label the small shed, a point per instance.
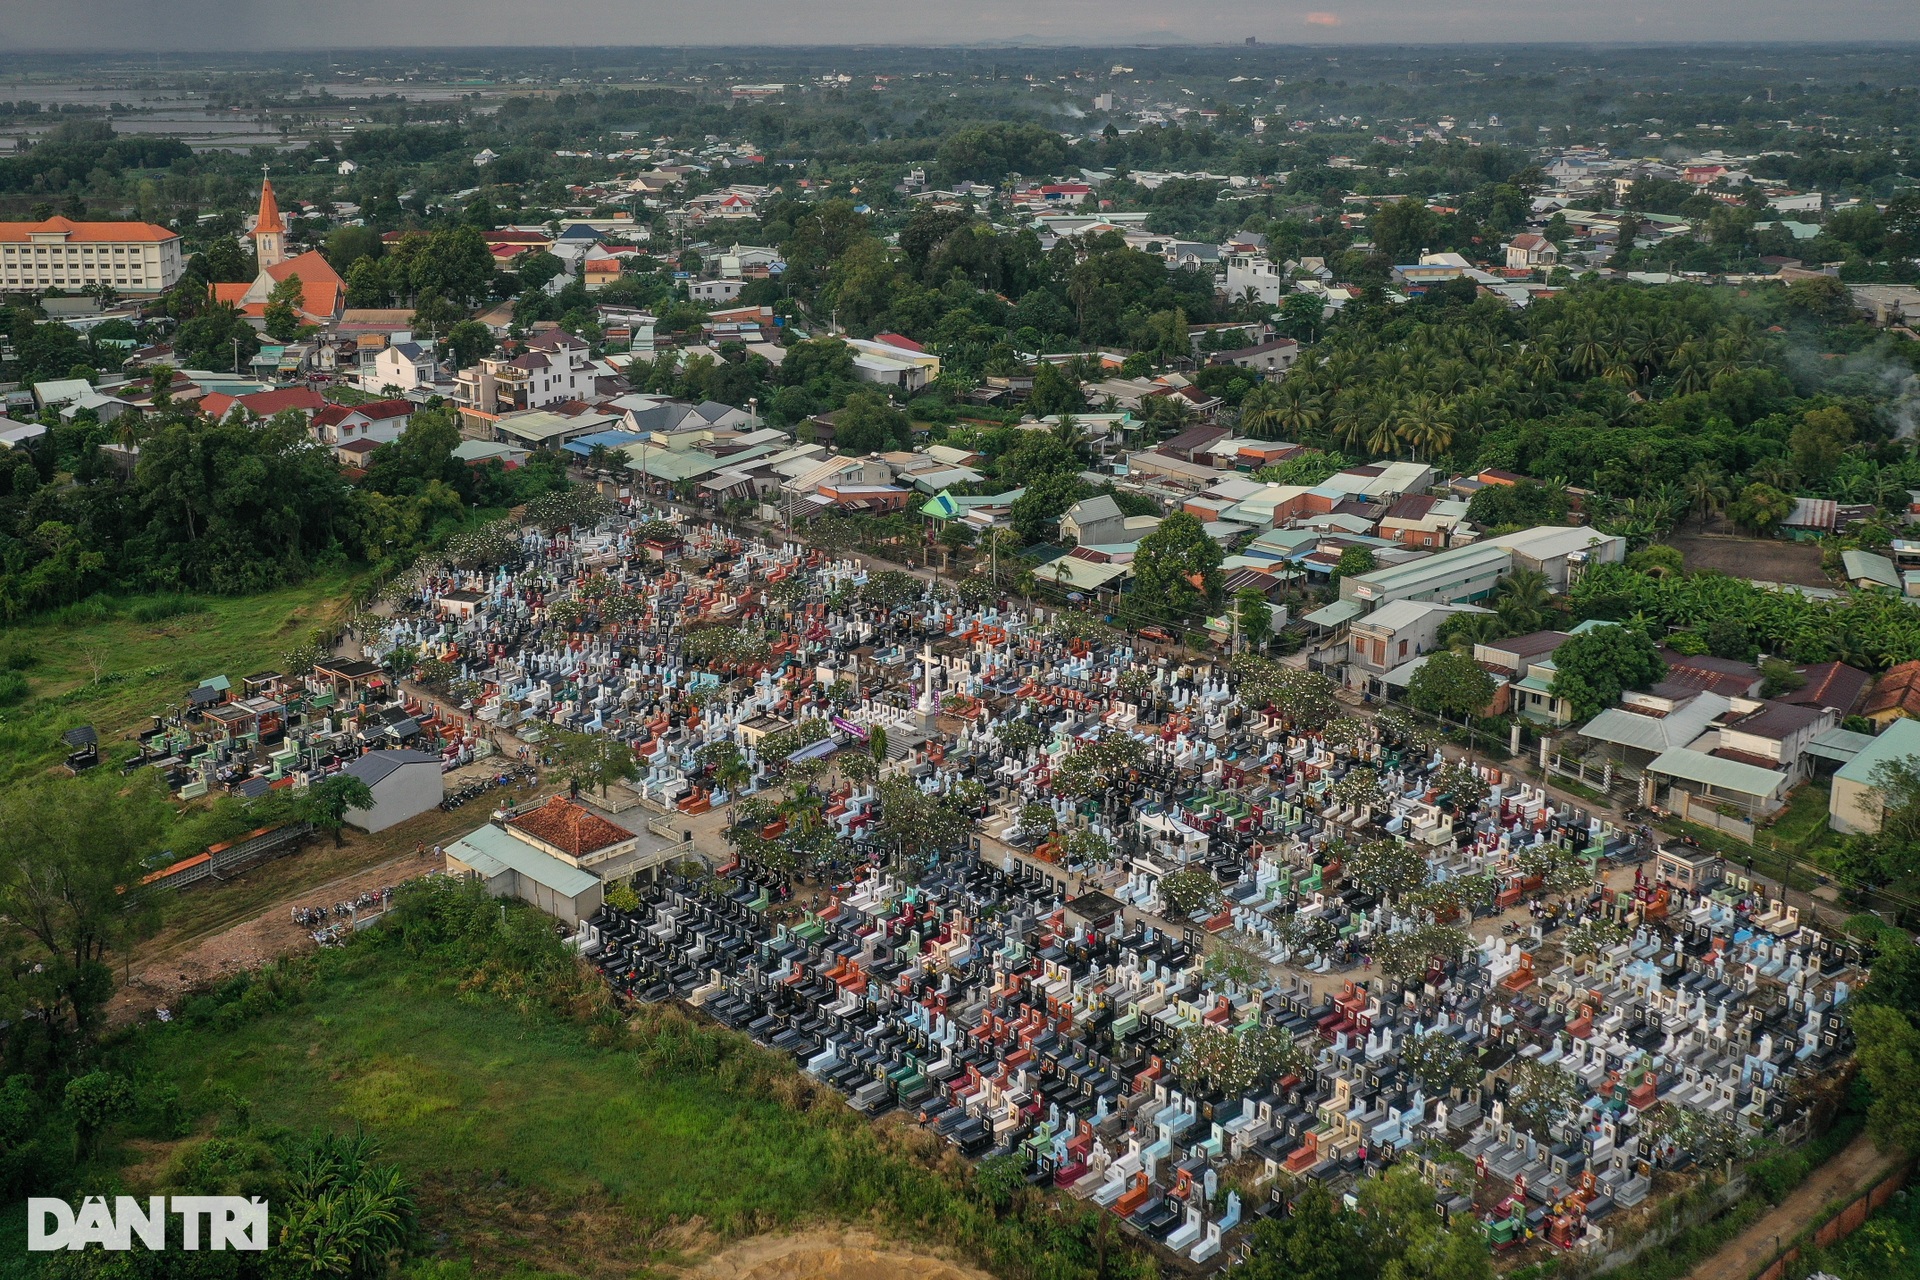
(404, 784)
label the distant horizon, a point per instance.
(226, 27)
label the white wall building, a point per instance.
(1253, 271)
(133, 257)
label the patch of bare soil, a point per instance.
(829, 1255)
(1723, 550)
(162, 980)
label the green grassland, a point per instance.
(112, 662)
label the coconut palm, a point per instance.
(1524, 596)
(1706, 489)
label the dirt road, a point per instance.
(1858, 1166)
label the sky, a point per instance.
(321, 25)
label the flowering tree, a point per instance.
(1230, 1063)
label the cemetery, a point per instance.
(1179, 936)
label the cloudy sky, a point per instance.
(319, 25)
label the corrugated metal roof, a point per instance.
(492, 852)
(1712, 771)
(1897, 740)
(1657, 733)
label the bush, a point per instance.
(161, 607)
(13, 687)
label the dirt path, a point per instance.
(160, 979)
(1858, 1166)
(828, 1255)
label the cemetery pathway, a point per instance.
(1858, 1166)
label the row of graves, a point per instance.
(275, 731)
(1035, 995)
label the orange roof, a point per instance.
(269, 219)
(572, 828)
(85, 232)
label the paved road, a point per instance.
(1858, 1166)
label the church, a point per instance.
(323, 292)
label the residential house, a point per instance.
(715, 291)
(1856, 804)
(559, 857)
(1637, 732)
(1270, 359)
(1896, 696)
(379, 421)
(1530, 250)
(550, 368)
(1776, 736)
(893, 361)
(397, 368)
(1527, 662)
(1393, 636)
(1422, 521)
(265, 404)
(1093, 520)
(1257, 273)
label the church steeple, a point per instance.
(269, 231)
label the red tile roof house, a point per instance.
(380, 421)
(304, 401)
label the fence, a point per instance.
(264, 843)
(1842, 1224)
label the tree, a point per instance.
(1540, 1097)
(1463, 787)
(468, 342)
(283, 311)
(1593, 669)
(1442, 1063)
(1403, 230)
(217, 338)
(94, 1100)
(1451, 684)
(1053, 392)
(1189, 892)
(72, 855)
(327, 802)
(1317, 1241)
(1176, 570)
(1760, 507)
(1353, 562)
(870, 424)
(1388, 868)
(1819, 442)
(344, 1215)
(1229, 1062)
(1254, 617)
(592, 760)
(1037, 511)
(1408, 956)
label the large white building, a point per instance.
(132, 257)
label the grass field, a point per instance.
(99, 663)
(527, 1142)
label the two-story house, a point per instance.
(397, 368)
(1393, 636)
(1527, 662)
(549, 369)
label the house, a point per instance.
(722, 290)
(1855, 804)
(1867, 571)
(378, 421)
(1529, 250)
(399, 367)
(1833, 685)
(1527, 661)
(1270, 359)
(265, 404)
(1775, 736)
(404, 784)
(892, 361)
(549, 369)
(1391, 637)
(1895, 697)
(1092, 521)
(477, 453)
(559, 856)
(1422, 521)
(1255, 273)
(1635, 733)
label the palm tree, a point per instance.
(1524, 598)
(1260, 413)
(1706, 490)
(1421, 423)
(1381, 435)
(1471, 629)
(1297, 408)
